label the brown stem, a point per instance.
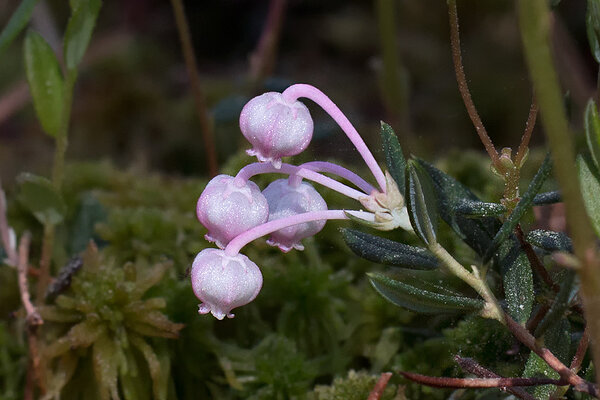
(33, 317)
(478, 382)
(533, 323)
(463, 87)
(192, 69)
(581, 350)
(567, 376)
(529, 125)
(534, 260)
(262, 58)
(5, 231)
(379, 387)
(471, 366)
(45, 262)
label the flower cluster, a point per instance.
(235, 211)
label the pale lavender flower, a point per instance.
(286, 200)
(224, 282)
(228, 208)
(275, 127)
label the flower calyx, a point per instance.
(389, 208)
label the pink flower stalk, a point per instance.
(240, 241)
(286, 200)
(223, 282)
(228, 208)
(262, 168)
(276, 127)
(294, 92)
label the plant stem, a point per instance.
(262, 58)
(323, 166)
(243, 239)
(206, 125)
(62, 140)
(463, 86)
(45, 262)
(392, 85)
(32, 316)
(492, 308)
(294, 92)
(529, 125)
(5, 232)
(534, 20)
(379, 387)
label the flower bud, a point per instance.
(227, 208)
(275, 127)
(285, 201)
(223, 283)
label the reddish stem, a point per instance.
(529, 125)
(478, 383)
(380, 386)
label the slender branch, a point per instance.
(190, 61)
(463, 86)
(581, 350)
(567, 376)
(5, 232)
(534, 321)
(262, 58)
(534, 21)
(534, 260)
(529, 125)
(33, 317)
(379, 387)
(477, 383)
(471, 366)
(492, 308)
(45, 262)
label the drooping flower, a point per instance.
(286, 200)
(228, 207)
(224, 282)
(275, 127)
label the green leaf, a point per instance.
(45, 82)
(394, 158)
(592, 22)
(550, 241)
(518, 280)
(421, 203)
(388, 252)
(79, 30)
(473, 208)
(477, 233)
(592, 131)
(41, 198)
(589, 178)
(90, 212)
(16, 24)
(526, 201)
(558, 341)
(547, 198)
(416, 294)
(569, 287)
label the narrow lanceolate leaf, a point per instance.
(517, 278)
(477, 233)
(547, 198)
(550, 241)
(526, 201)
(589, 178)
(16, 24)
(569, 287)
(40, 197)
(421, 296)
(592, 131)
(473, 208)
(79, 30)
(45, 82)
(421, 203)
(592, 21)
(388, 252)
(394, 158)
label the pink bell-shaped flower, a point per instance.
(227, 208)
(275, 128)
(224, 282)
(286, 200)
